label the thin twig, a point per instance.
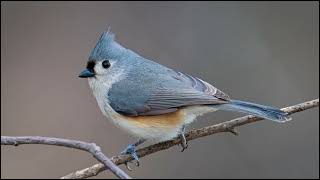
(89, 147)
(228, 126)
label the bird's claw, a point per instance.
(184, 142)
(131, 150)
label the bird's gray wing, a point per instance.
(169, 94)
(165, 100)
(200, 85)
(194, 92)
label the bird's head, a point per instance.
(107, 58)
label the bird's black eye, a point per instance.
(106, 64)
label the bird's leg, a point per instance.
(184, 142)
(131, 150)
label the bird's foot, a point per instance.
(184, 142)
(131, 150)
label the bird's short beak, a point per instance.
(86, 73)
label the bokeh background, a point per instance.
(264, 52)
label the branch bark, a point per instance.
(84, 146)
(228, 126)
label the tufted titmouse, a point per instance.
(154, 102)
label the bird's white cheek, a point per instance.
(99, 70)
(100, 86)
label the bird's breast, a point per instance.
(156, 128)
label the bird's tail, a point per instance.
(267, 112)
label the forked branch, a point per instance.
(89, 147)
(228, 126)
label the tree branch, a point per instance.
(89, 147)
(228, 126)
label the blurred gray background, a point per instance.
(266, 52)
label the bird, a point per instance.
(151, 101)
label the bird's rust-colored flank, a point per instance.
(169, 120)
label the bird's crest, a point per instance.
(106, 47)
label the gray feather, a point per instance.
(152, 89)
